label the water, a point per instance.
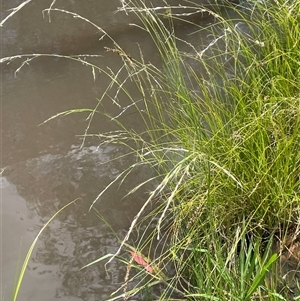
(44, 167)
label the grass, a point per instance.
(223, 145)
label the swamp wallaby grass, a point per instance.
(226, 146)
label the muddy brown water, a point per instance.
(43, 167)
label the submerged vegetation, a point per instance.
(222, 136)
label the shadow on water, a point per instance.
(44, 167)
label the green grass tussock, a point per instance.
(225, 143)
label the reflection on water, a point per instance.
(76, 237)
(44, 168)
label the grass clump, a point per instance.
(224, 146)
